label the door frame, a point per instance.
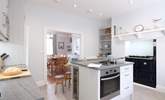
(46, 30)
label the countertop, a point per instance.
(19, 89)
(84, 63)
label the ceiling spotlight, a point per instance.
(75, 5)
(90, 11)
(100, 14)
(131, 2)
(57, 1)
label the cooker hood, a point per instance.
(3, 37)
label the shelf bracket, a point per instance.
(163, 32)
(138, 35)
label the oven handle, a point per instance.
(105, 79)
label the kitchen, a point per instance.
(29, 25)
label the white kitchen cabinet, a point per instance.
(126, 82)
(89, 82)
(4, 20)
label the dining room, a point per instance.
(61, 48)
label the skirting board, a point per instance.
(158, 87)
(41, 83)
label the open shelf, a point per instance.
(105, 41)
(160, 30)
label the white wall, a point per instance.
(142, 16)
(64, 38)
(161, 62)
(40, 17)
(15, 51)
(139, 47)
(15, 47)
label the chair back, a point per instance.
(58, 65)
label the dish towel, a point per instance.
(94, 65)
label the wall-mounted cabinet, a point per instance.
(4, 20)
(105, 41)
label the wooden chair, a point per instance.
(67, 75)
(58, 73)
(49, 66)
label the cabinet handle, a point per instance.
(126, 88)
(126, 74)
(145, 63)
(126, 69)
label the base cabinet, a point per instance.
(144, 71)
(126, 83)
(86, 83)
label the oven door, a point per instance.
(109, 86)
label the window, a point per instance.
(49, 44)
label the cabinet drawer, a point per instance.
(126, 77)
(126, 69)
(127, 90)
(125, 82)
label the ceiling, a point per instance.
(98, 8)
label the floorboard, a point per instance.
(140, 93)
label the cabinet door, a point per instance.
(135, 68)
(147, 65)
(147, 78)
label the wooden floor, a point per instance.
(49, 91)
(140, 93)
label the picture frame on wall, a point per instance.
(60, 45)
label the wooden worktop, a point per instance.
(20, 89)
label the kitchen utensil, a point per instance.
(1, 63)
(4, 56)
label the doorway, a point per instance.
(60, 44)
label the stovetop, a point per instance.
(106, 63)
(135, 56)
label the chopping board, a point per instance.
(23, 74)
